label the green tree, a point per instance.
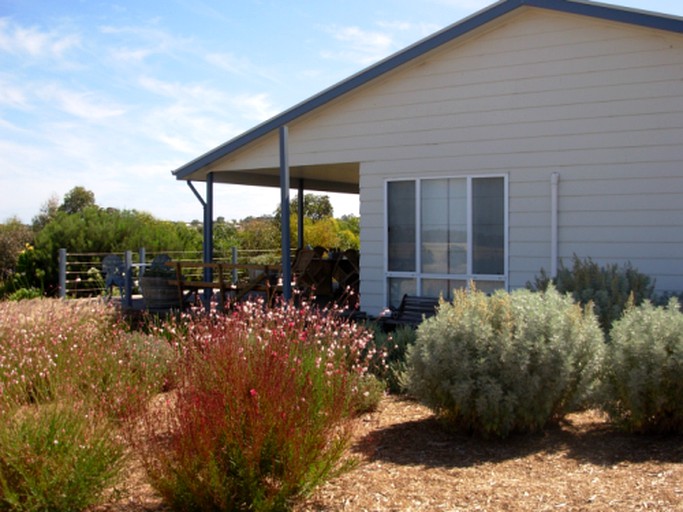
(47, 212)
(349, 231)
(94, 229)
(225, 236)
(77, 199)
(14, 237)
(328, 233)
(258, 233)
(316, 207)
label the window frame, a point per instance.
(467, 277)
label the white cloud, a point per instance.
(230, 62)
(135, 44)
(65, 126)
(415, 30)
(32, 41)
(240, 66)
(187, 132)
(367, 47)
(255, 107)
(197, 95)
(128, 55)
(360, 46)
(11, 95)
(198, 117)
(84, 105)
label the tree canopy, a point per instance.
(79, 225)
(316, 207)
(76, 200)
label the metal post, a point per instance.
(300, 216)
(554, 239)
(208, 239)
(234, 262)
(62, 273)
(128, 286)
(143, 256)
(284, 206)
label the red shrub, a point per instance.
(260, 415)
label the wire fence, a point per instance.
(82, 274)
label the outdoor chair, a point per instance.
(411, 312)
(114, 274)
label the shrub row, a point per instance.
(515, 362)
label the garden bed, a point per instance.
(407, 463)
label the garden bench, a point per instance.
(412, 311)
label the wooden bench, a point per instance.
(263, 280)
(412, 311)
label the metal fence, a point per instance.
(82, 275)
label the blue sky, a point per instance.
(113, 95)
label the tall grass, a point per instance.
(56, 457)
(76, 349)
(260, 414)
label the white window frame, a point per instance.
(418, 275)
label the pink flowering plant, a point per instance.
(262, 409)
(69, 372)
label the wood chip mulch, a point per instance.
(406, 462)
(409, 463)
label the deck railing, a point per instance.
(81, 274)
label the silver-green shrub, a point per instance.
(510, 362)
(643, 374)
(608, 288)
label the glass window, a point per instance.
(489, 287)
(401, 226)
(459, 235)
(488, 226)
(398, 288)
(441, 287)
(443, 230)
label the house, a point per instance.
(526, 133)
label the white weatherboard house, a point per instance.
(527, 133)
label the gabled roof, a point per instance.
(459, 29)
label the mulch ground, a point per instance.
(407, 462)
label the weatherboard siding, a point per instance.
(606, 117)
(596, 102)
(536, 93)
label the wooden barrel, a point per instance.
(158, 294)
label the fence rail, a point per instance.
(82, 275)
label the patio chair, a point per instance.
(311, 272)
(114, 274)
